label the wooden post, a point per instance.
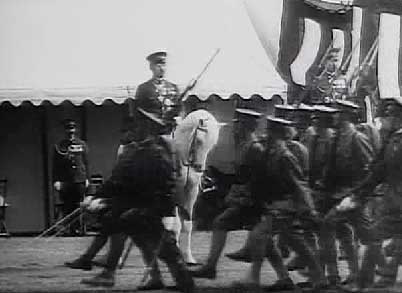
(45, 162)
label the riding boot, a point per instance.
(371, 254)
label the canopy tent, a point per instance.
(95, 49)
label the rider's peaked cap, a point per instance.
(158, 57)
(152, 117)
(397, 100)
(243, 113)
(69, 123)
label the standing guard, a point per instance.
(70, 170)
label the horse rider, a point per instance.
(240, 206)
(279, 188)
(140, 192)
(350, 157)
(70, 170)
(159, 95)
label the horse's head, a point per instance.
(195, 136)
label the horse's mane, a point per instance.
(185, 130)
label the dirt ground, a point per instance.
(28, 264)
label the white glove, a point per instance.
(96, 205)
(87, 201)
(348, 203)
(57, 185)
(86, 183)
(169, 223)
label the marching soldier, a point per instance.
(139, 209)
(350, 156)
(70, 169)
(278, 187)
(386, 170)
(241, 209)
(159, 95)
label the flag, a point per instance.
(298, 36)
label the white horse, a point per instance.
(194, 137)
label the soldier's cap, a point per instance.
(69, 123)
(334, 50)
(346, 106)
(397, 100)
(275, 121)
(321, 111)
(244, 113)
(152, 117)
(158, 57)
(302, 114)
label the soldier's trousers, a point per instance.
(154, 241)
(72, 194)
(336, 224)
(284, 226)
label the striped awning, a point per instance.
(118, 95)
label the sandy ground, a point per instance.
(36, 265)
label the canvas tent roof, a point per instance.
(95, 50)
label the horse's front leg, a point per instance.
(192, 190)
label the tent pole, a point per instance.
(45, 161)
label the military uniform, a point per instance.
(349, 161)
(159, 96)
(279, 187)
(140, 191)
(70, 167)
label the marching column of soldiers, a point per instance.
(307, 184)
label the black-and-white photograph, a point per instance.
(200, 146)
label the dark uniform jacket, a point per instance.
(250, 154)
(301, 154)
(350, 159)
(144, 177)
(70, 161)
(279, 177)
(388, 170)
(159, 97)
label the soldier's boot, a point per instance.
(173, 258)
(317, 276)
(243, 254)
(389, 279)
(351, 258)
(155, 281)
(81, 263)
(366, 275)
(105, 279)
(208, 270)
